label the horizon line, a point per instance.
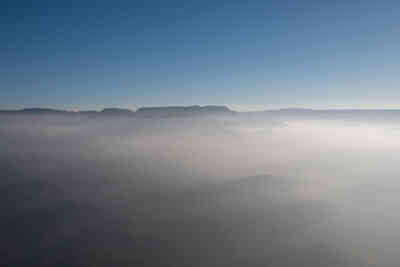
(289, 108)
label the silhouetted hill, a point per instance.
(36, 111)
(116, 111)
(183, 110)
(295, 110)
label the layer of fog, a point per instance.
(199, 191)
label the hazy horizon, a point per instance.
(231, 107)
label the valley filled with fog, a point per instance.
(246, 189)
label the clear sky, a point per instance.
(245, 54)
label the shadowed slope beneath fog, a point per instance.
(255, 221)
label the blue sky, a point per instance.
(245, 54)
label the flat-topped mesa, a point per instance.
(183, 110)
(295, 110)
(116, 111)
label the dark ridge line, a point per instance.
(155, 110)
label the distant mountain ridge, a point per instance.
(143, 111)
(182, 110)
(213, 110)
(193, 108)
(117, 111)
(42, 110)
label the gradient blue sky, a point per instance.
(245, 54)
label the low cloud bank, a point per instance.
(245, 190)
